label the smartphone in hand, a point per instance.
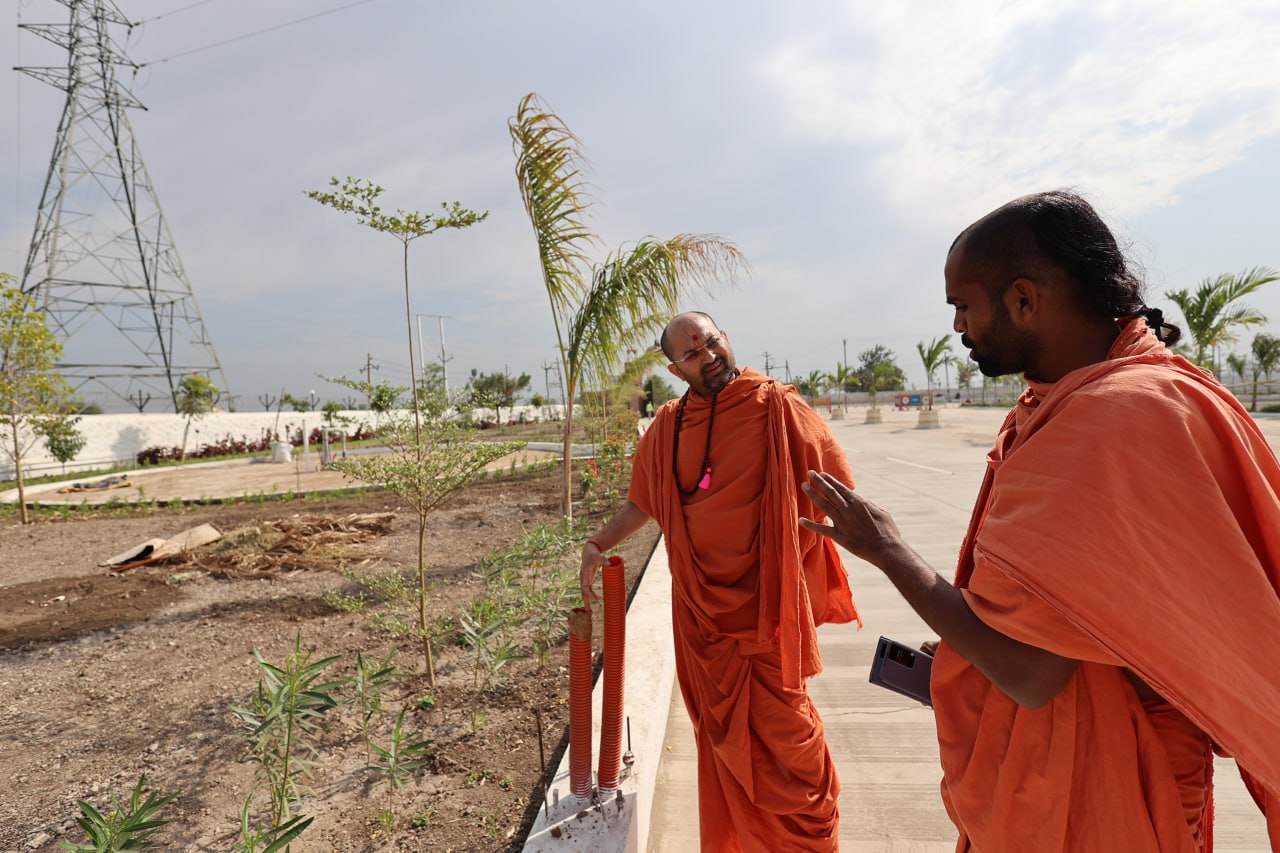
(902, 669)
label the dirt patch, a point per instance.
(105, 676)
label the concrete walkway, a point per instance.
(885, 747)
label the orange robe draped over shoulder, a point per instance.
(749, 588)
(1129, 519)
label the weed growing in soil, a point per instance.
(256, 839)
(367, 686)
(281, 721)
(126, 828)
(397, 761)
(486, 629)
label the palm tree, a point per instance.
(1237, 364)
(840, 378)
(1211, 313)
(599, 310)
(1266, 357)
(933, 356)
(811, 386)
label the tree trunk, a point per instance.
(17, 471)
(566, 485)
(566, 492)
(422, 598)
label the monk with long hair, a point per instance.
(1115, 616)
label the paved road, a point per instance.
(884, 747)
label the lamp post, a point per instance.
(444, 367)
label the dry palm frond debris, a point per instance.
(299, 543)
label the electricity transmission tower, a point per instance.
(102, 264)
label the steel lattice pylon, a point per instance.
(102, 263)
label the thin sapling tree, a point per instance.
(32, 394)
(196, 398)
(427, 460)
(359, 198)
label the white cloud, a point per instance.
(964, 106)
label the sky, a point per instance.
(840, 146)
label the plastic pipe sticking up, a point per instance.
(580, 703)
(615, 644)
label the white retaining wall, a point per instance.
(116, 439)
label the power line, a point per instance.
(169, 14)
(255, 33)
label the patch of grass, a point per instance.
(476, 778)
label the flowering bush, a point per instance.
(229, 446)
(606, 477)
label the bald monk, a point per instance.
(720, 470)
(1115, 614)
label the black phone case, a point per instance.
(902, 669)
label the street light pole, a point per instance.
(444, 367)
(844, 393)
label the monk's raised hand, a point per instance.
(592, 560)
(858, 525)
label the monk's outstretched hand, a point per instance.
(859, 526)
(592, 560)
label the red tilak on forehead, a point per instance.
(696, 337)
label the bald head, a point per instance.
(680, 321)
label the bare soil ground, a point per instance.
(104, 676)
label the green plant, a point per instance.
(61, 438)
(547, 554)
(426, 702)
(1212, 313)
(367, 686)
(410, 474)
(1266, 357)
(485, 628)
(476, 778)
(495, 390)
(607, 476)
(932, 356)
(197, 396)
(428, 460)
(399, 759)
(257, 839)
(491, 822)
(282, 717)
(348, 603)
(32, 394)
(602, 310)
(423, 818)
(130, 827)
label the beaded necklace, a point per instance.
(705, 481)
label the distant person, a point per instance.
(1115, 614)
(720, 470)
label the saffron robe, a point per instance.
(1129, 518)
(749, 587)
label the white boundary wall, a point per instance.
(116, 439)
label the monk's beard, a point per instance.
(709, 386)
(1005, 350)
